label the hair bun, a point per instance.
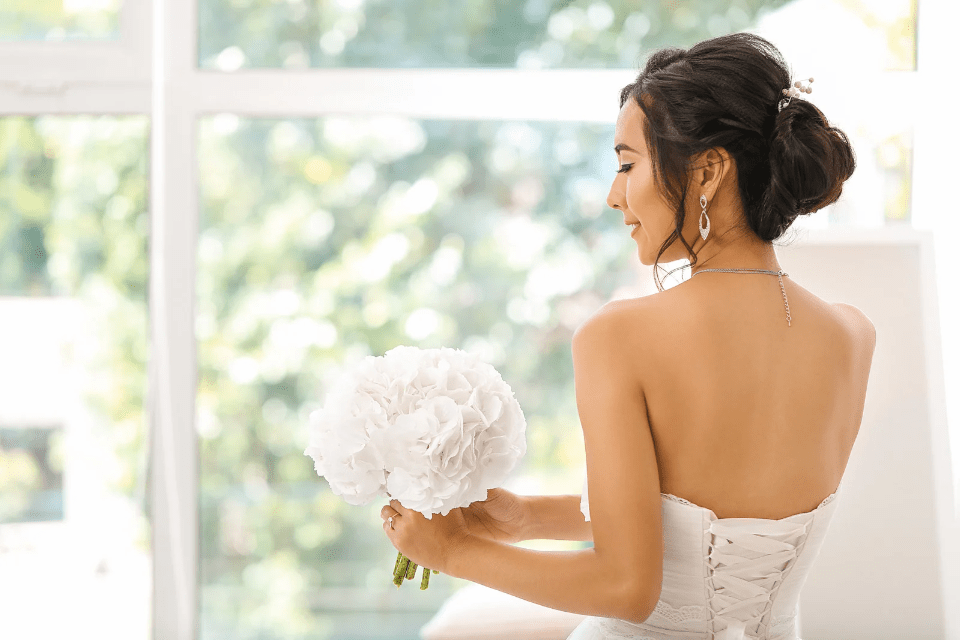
(809, 162)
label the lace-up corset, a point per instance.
(724, 578)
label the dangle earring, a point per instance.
(703, 231)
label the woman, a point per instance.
(738, 390)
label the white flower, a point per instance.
(432, 428)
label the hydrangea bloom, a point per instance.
(432, 428)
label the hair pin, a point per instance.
(794, 92)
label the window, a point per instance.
(352, 235)
(45, 20)
(326, 182)
(537, 34)
(74, 533)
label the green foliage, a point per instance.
(22, 20)
(358, 235)
(73, 223)
(534, 34)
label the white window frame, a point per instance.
(51, 68)
(151, 70)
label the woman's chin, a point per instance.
(636, 239)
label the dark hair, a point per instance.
(724, 92)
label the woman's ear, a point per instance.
(710, 167)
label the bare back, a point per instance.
(752, 418)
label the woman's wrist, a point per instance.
(529, 519)
(555, 517)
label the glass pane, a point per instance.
(23, 20)
(74, 536)
(322, 241)
(531, 35)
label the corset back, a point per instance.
(724, 578)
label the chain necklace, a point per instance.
(779, 275)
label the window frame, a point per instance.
(151, 70)
(73, 63)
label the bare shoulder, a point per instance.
(619, 327)
(858, 323)
(613, 316)
(623, 306)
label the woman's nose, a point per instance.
(613, 197)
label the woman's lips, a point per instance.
(634, 230)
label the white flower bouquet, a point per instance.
(431, 428)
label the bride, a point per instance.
(718, 415)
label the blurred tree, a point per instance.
(74, 223)
(24, 20)
(325, 241)
(533, 34)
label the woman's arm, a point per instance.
(555, 518)
(579, 581)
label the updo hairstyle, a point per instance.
(724, 92)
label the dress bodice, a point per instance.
(724, 578)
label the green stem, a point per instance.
(401, 571)
(406, 569)
(396, 566)
(425, 581)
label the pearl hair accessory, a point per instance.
(793, 92)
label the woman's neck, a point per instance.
(739, 255)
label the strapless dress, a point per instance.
(724, 578)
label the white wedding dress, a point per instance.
(724, 578)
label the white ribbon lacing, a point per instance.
(746, 561)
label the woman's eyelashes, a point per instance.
(624, 168)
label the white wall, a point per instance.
(890, 565)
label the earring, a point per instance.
(703, 231)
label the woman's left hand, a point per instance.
(429, 543)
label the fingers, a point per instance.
(392, 509)
(388, 511)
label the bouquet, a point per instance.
(431, 428)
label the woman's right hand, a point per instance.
(501, 517)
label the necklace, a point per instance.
(779, 275)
